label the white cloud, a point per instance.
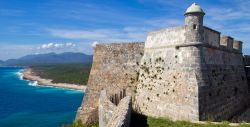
(56, 46)
(137, 32)
(94, 44)
(80, 34)
(164, 22)
(232, 21)
(98, 34)
(126, 34)
(13, 50)
(10, 51)
(70, 45)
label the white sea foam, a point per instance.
(33, 83)
(20, 75)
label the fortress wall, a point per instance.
(222, 82)
(223, 90)
(211, 37)
(115, 69)
(167, 81)
(226, 42)
(196, 81)
(165, 37)
(237, 46)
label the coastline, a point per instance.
(28, 74)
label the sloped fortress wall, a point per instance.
(167, 82)
(115, 69)
(223, 92)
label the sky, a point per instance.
(43, 26)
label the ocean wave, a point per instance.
(20, 75)
(33, 83)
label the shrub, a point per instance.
(79, 123)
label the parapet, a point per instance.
(237, 45)
(230, 44)
(118, 45)
(227, 42)
(114, 115)
(166, 37)
(211, 36)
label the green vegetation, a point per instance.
(163, 122)
(78, 123)
(139, 120)
(75, 73)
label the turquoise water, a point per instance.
(22, 104)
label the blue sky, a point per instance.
(42, 26)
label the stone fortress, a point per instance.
(189, 73)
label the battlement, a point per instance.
(237, 45)
(180, 37)
(212, 37)
(166, 37)
(226, 43)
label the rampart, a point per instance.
(115, 69)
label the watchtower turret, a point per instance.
(194, 22)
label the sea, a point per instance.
(23, 103)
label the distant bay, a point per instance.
(23, 104)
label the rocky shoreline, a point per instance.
(30, 75)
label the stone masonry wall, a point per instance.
(122, 114)
(111, 115)
(105, 109)
(193, 81)
(223, 90)
(115, 69)
(165, 37)
(211, 37)
(167, 81)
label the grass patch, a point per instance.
(75, 73)
(78, 123)
(163, 122)
(143, 121)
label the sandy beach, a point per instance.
(30, 75)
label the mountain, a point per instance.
(50, 58)
(1, 62)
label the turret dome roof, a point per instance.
(194, 8)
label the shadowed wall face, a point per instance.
(223, 90)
